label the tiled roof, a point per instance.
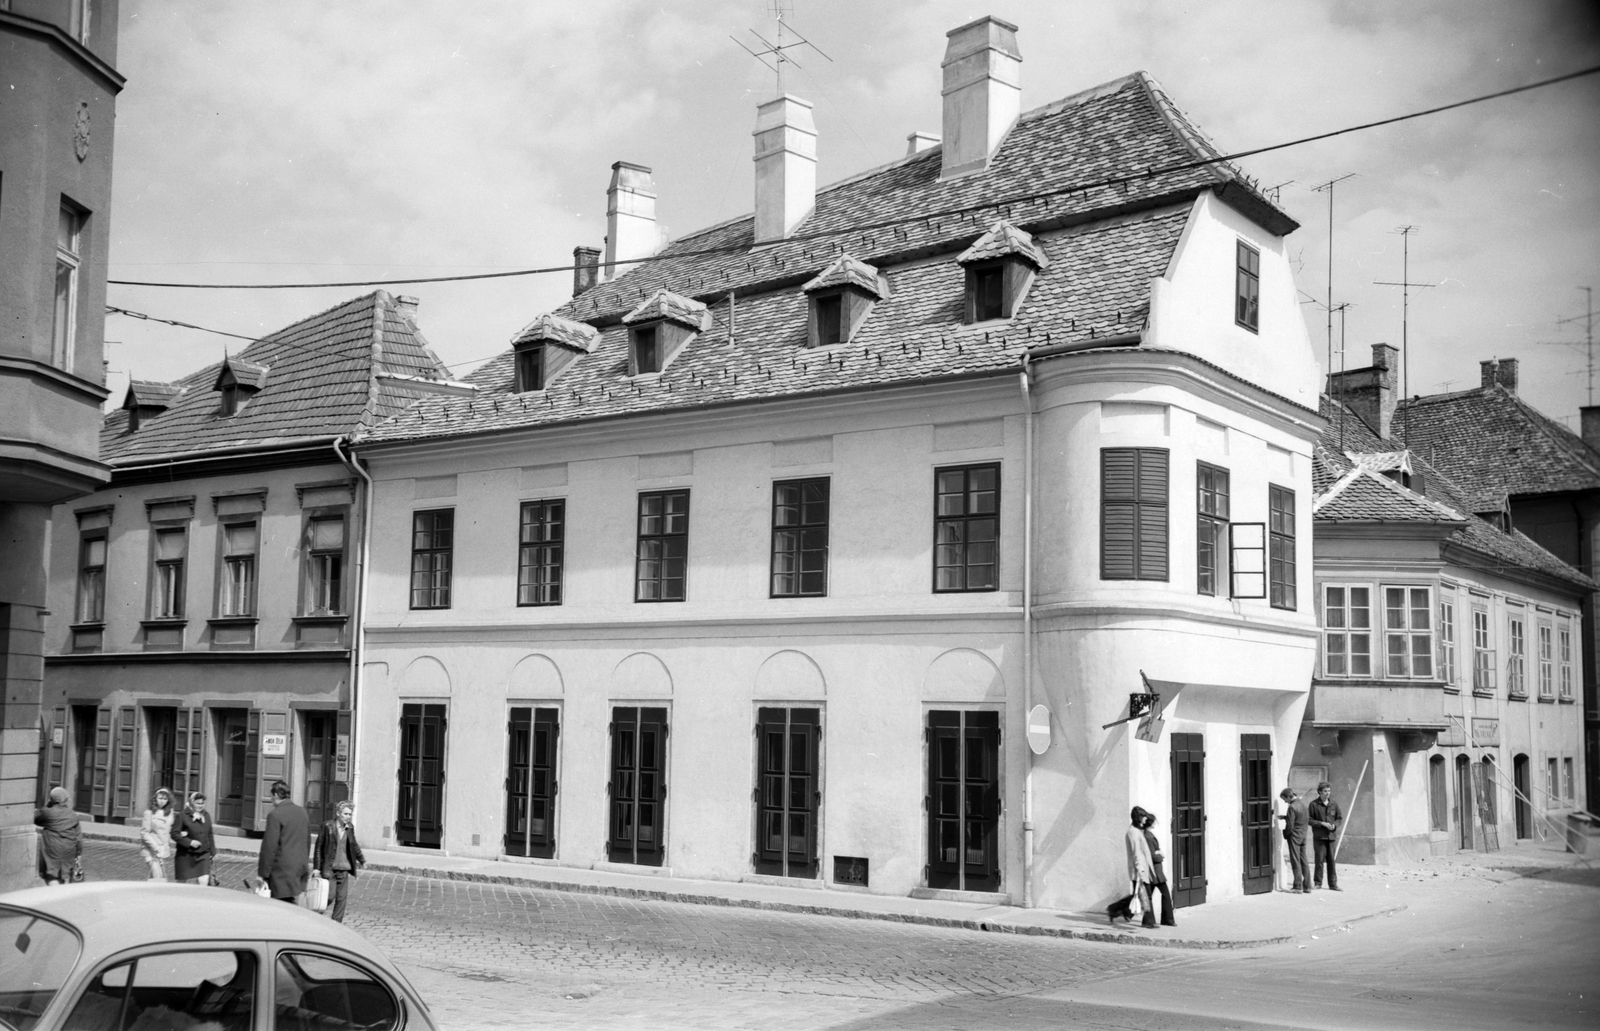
(247, 374)
(322, 384)
(1362, 495)
(145, 393)
(1498, 444)
(1103, 244)
(664, 304)
(846, 271)
(1001, 240)
(580, 336)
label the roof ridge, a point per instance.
(1337, 488)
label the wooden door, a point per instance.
(1255, 784)
(1464, 803)
(638, 786)
(235, 775)
(316, 753)
(1519, 774)
(963, 800)
(1188, 820)
(420, 820)
(531, 782)
(161, 733)
(787, 793)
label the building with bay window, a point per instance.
(205, 600)
(750, 560)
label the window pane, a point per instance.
(330, 995)
(169, 545)
(94, 551)
(328, 534)
(241, 539)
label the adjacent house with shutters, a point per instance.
(751, 560)
(205, 600)
(1445, 710)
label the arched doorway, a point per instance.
(1523, 783)
(1464, 816)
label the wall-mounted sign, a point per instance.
(275, 744)
(341, 759)
(56, 736)
(1038, 729)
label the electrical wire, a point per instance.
(1110, 181)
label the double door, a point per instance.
(419, 817)
(963, 800)
(1255, 789)
(638, 788)
(1188, 874)
(531, 782)
(787, 794)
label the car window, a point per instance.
(211, 990)
(320, 993)
(36, 956)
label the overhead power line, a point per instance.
(1110, 181)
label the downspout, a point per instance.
(1027, 628)
(358, 629)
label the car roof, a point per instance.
(113, 916)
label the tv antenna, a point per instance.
(1405, 317)
(1587, 318)
(1327, 188)
(779, 51)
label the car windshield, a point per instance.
(36, 957)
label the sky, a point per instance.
(303, 141)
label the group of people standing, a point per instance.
(184, 837)
(1322, 816)
(1147, 874)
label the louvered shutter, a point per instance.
(1118, 513)
(271, 736)
(249, 802)
(102, 760)
(56, 763)
(1152, 544)
(122, 786)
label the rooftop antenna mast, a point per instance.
(1327, 188)
(1341, 308)
(1588, 333)
(778, 51)
(1405, 309)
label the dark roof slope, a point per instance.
(321, 384)
(1365, 496)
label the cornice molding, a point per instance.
(79, 53)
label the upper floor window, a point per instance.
(1247, 288)
(432, 545)
(966, 528)
(529, 369)
(1482, 653)
(1347, 631)
(171, 553)
(325, 566)
(238, 591)
(800, 538)
(662, 562)
(69, 245)
(1281, 560)
(540, 547)
(1408, 631)
(1516, 657)
(1133, 513)
(1447, 642)
(1547, 664)
(1564, 654)
(92, 579)
(1212, 530)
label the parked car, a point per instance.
(137, 956)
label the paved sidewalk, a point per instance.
(1238, 923)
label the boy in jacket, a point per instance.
(1325, 819)
(338, 857)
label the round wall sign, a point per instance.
(1038, 729)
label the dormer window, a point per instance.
(530, 368)
(238, 382)
(1000, 266)
(646, 350)
(146, 400)
(661, 327)
(545, 347)
(841, 296)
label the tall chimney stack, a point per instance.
(1370, 392)
(585, 269)
(1589, 416)
(630, 215)
(786, 166)
(1502, 371)
(982, 93)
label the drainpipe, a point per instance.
(1027, 628)
(358, 628)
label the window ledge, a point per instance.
(1547, 699)
(1451, 690)
(161, 624)
(233, 620)
(327, 619)
(1478, 693)
(1516, 696)
(1567, 701)
(93, 624)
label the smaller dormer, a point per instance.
(838, 300)
(659, 328)
(146, 400)
(545, 347)
(1000, 268)
(238, 381)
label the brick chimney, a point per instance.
(920, 141)
(630, 216)
(786, 166)
(1370, 392)
(585, 269)
(1502, 371)
(407, 305)
(982, 93)
(1589, 416)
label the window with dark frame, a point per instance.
(1247, 291)
(988, 292)
(92, 579)
(529, 371)
(1133, 513)
(966, 529)
(663, 547)
(239, 546)
(1281, 560)
(1211, 531)
(540, 545)
(830, 319)
(432, 542)
(69, 237)
(171, 552)
(325, 566)
(800, 538)
(646, 349)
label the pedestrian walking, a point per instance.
(1325, 819)
(195, 842)
(155, 834)
(1141, 873)
(285, 847)
(60, 841)
(338, 856)
(1159, 870)
(1296, 820)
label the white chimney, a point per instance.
(982, 93)
(920, 141)
(630, 216)
(786, 166)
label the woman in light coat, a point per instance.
(155, 835)
(1141, 865)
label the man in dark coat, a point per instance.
(1325, 818)
(285, 847)
(337, 858)
(1296, 820)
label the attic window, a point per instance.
(659, 328)
(989, 293)
(233, 399)
(546, 346)
(1000, 267)
(840, 298)
(529, 368)
(1247, 288)
(646, 350)
(829, 310)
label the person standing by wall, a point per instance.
(60, 841)
(1159, 870)
(1296, 820)
(195, 841)
(285, 847)
(1141, 866)
(155, 834)
(338, 857)
(1325, 818)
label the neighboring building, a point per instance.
(1444, 711)
(56, 122)
(1515, 463)
(729, 566)
(206, 600)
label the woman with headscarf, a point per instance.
(60, 843)
(155, 835)
(1160, 882)
(1141, 867)
(195, 842)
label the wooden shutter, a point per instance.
(1152, 551)
(273, 762)
(249, 803)
(187, 751)
(519, 730)
(102, 761)
(122, 787)
(1118, 513)
(55, 763)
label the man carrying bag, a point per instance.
(337, 859)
